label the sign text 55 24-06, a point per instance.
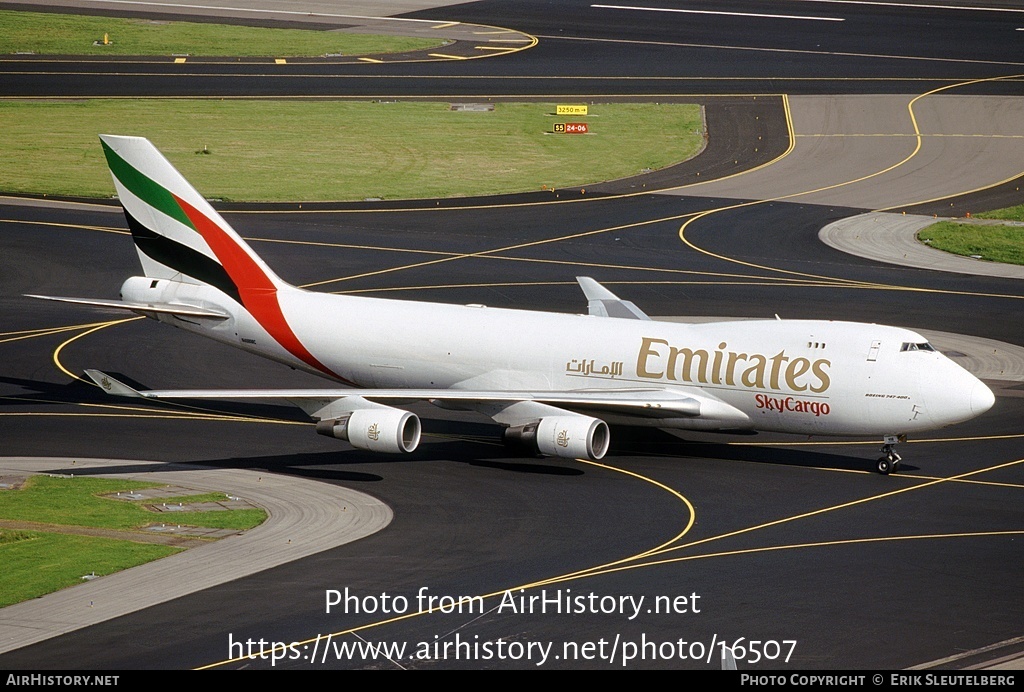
(571, 128)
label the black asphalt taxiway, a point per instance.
(673, 545)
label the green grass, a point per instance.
(8, 536)
(69, 34)
(339, 150)
(1009, 214)
(993, 243)
(35, 563)
(42, 563)
(74, 502)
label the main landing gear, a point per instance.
(889, 462)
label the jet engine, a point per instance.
(569, 436)
(377, 429)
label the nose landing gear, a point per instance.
(889, 462)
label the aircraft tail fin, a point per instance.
(177, 233)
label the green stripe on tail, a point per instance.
(145, 189)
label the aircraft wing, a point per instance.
(644, 402)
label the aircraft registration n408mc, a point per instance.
(556, 392)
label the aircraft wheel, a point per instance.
(884, 466)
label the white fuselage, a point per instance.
(799, 376)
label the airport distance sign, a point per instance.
(570, 128)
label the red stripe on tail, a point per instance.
(257, 290)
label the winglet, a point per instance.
(113, 386)
(603, 303)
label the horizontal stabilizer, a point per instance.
(603, 303)
(113, 386)
(163, 308)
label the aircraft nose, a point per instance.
(982, 398)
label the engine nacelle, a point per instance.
(569, 437)
(377, 429)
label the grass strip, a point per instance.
(1009, 214)
(41, 563)
(992, 243)
(72, 34)
(341, 150)
(75, 502)
(36, 563)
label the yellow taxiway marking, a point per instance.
(844, 505)
(965, 192)
(179, 60)
(794, 17)
(744, 279)
(597, 265)
(197, 411)
(280, 61)
(934, 135)
(819, 544)
(757, 280)
(102, 229)
(370, 60)
(794, 546)
(807, 280)
(882, 56)
(632, 562)
(426, 611)
(169, 412)
(161, 415)
(470, 77)
(350, 246)
(112, 407)
(545, 241)
(447, 57)
(102, 325)
(441, 25)
(916, 150)
(781, 283)
(823, 510)
(45, 331)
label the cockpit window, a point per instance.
(908, 346)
